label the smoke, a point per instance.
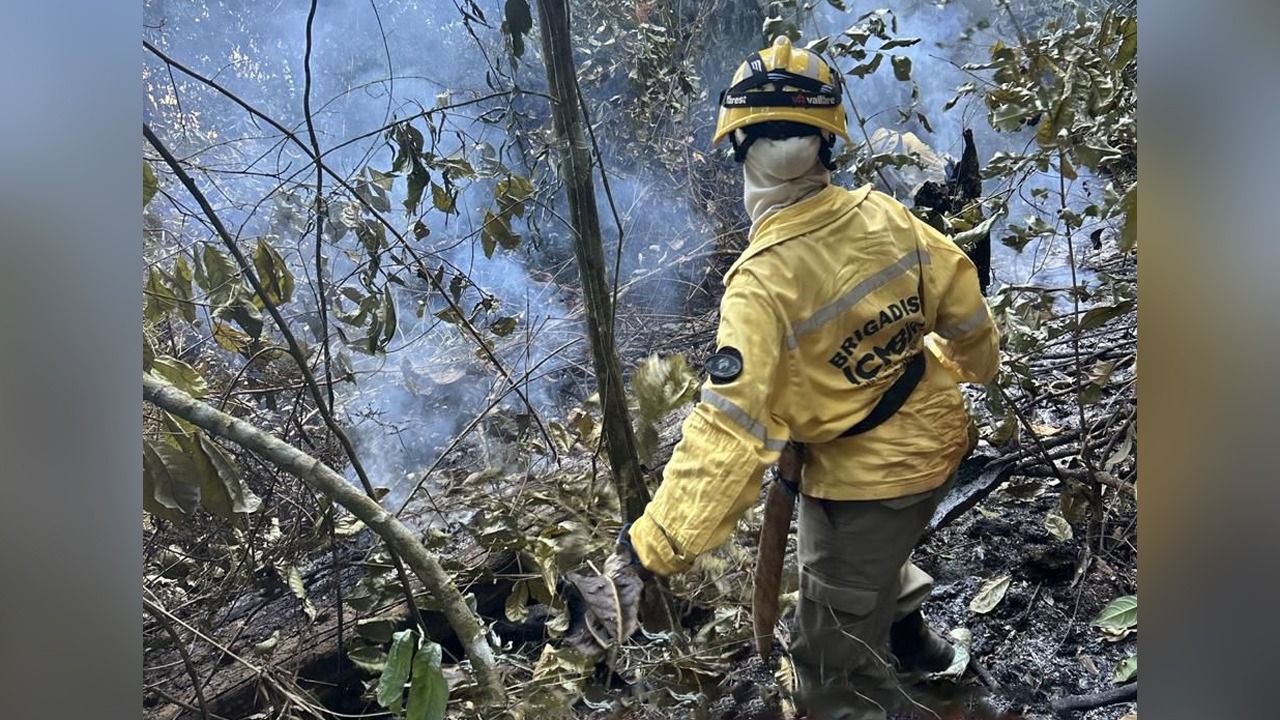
(954, 33)
(375, 62)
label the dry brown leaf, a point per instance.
(612, 603)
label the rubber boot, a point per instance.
(918, 647)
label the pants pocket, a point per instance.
(841, 597)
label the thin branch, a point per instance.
(608, 193)
(1083, 703)
(162, 617)
(322, 303)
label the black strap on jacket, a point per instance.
(893, 398)
(896, 396)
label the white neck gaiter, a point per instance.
(778, 173)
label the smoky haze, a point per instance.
(375, 62)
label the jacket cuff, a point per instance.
(656, 549)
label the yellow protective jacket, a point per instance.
(823, 309)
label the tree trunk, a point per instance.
(575, 167)
(323, 478)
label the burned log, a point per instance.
(977, 477)
(959, 197)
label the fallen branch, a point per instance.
(1081, 474)
(976, 478)
(323, 478)
(1082, 703)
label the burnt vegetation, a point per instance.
(358, 242)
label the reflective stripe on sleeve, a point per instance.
(742, 418)
(964, 327)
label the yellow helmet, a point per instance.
(782, 83)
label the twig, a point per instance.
(1083, 703)
(985, 676)
(1027, 424)
(1082, 475)
(162, 616)
(183, 703)
(321, 301)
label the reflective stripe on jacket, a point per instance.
(823, 307)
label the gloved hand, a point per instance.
(624, 558)
(611, 599)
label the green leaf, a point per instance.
(158, 299)
(1129, 232)
(516, 606)
(369, 658)
(149, 183)
(1129, 43)
(243, 311)
(231, 339)
(390, 692)
(1053, 123)
(818, 46)
(990, 593)
(223, 489)
(864, 69)
(443, 200)
(221, 276)
(265, 648)
(293, 578)
(381, 179)
(1126, 670)
(1119, 614)
(273, 274)
(1058, 526)
(148, 353)
(169, 479)
(180, 375)
(901, 67)
(388, 317)
(497, 231)
(518, 23)
(377, 630)
(428, 690)
(418, 179)
(1068, 170)
(545, 551)
(503, 326)
(1096, 317)
(182, 286)
(899, 43)
(449, 315)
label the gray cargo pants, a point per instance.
(856, 579)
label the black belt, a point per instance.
(893, 398)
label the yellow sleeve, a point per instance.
(967, 341)
(731, 436)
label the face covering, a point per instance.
(778, 173)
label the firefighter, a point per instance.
(846, 325)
